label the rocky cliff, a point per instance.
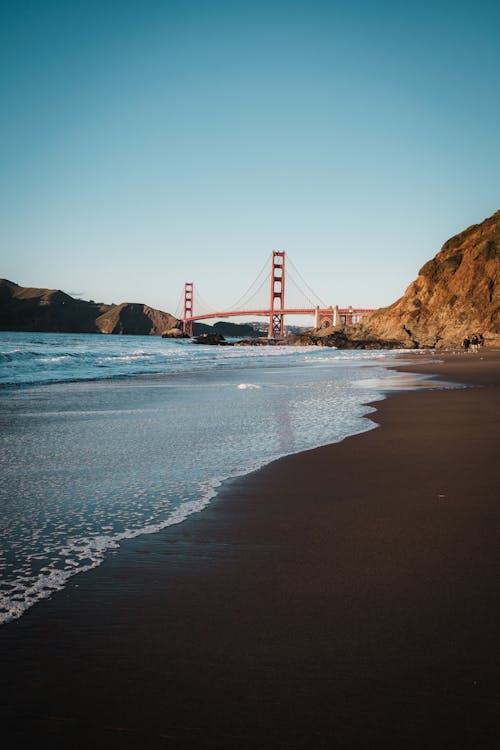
(53, 311)
(455, 293)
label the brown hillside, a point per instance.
(135, 318)
(53, 311)
(457, 292)
(50, 310)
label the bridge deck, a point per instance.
(284, 311)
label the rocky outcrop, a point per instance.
(214, 339)
(174, 333)
(340, 339)
(261, 341)
(457, 292)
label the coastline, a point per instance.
(341, 597)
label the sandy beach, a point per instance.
(342, 597)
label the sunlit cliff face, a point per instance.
(456, 293)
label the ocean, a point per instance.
(105, 438)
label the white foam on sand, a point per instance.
(84, 554)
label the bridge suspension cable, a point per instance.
(179, 306)
(251, 292)
(278, 307)
(318, 300)
(303, 296)
(201, 305)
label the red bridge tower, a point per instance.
(187, 325)
(276, 317)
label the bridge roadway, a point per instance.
(278, 311)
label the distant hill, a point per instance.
(53, 311)
(457, 292)
(236, 330)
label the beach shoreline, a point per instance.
(341, 597)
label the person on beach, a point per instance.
(466, 344)
(474, 342)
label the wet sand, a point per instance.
(343, 597)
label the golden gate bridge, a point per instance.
(276, 309)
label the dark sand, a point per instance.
(344, 597)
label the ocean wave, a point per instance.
(31, 359)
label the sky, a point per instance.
(147, 143)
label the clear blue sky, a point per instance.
(147, 143)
